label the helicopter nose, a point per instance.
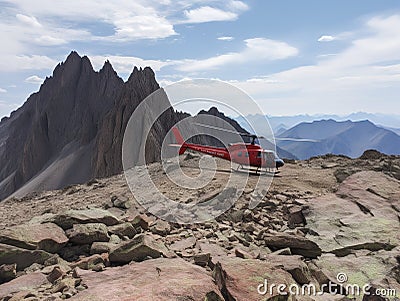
(279, 163)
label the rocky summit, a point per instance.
(321, 218)
(71, 130)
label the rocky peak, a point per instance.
(107, 68)
(75, 123)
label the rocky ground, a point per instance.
(320, 217)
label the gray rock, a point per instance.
(7, 272)
(138, 249)
(101, 247)
(202, 259)
(83, 234)
(161, 228)
(297, 244)
(120, 202)
(124, 229)
(22, 257)
(95, 215)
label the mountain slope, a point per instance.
(71, 130)
(344, 138)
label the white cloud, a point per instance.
(137, 27)
(28, 20)
(225, 38)
(208, 14)
(365, 76)
(26, 62)
(34, 79)
(3, 90)
(256, 49)
(225, 11)
(47, 40)
(238, 5)
(326, 38)
(125, 64)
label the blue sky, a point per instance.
(292, 57)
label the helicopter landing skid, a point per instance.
(257, 171)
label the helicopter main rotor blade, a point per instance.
(228, 131)
(296, 139)
(252, 135)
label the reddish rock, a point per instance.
(183, 244)
(159, 279)
(55, 274)
(137, 249)
(240, 279)
(94, 262)
(26, 282)
(143, 221)
(48, 237)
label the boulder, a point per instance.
(214, 249)
(183, 244)
(361, 215)
(298, 245)
(26, 282)
(137, 249)
(48, 237)
(95, 262)
(156, 279)
(143, 221)
(360, 269)
(7, 272)
(55, 274)
(99, 247)
(161, 227)
(294, 265)
(82, 234)
(22, 257)
(73, 252)
(120, 202)
(296, 217)
(202, 259)
(245, 279)
(124, 229)
(94, 215)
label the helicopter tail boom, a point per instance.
(179, 140)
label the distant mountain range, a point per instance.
(345, 138)
(279, 123)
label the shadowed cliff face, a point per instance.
(72, 129)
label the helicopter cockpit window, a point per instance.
(239, 154)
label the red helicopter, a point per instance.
(244, 154)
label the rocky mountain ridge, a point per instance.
(65, 132)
